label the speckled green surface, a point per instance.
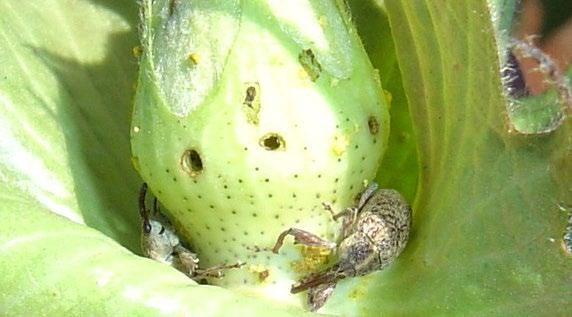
(332, 125)
(490, 210)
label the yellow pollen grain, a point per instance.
(303, 74)
(313, 259)
(260, 271)
(137, 51)
(340, 144)
(388, 97)
(194, 58)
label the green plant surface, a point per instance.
(400, 167)
(66, 86)
(536, 114)
(503, 16)
(531, 114)
(326, 106)
(487, 217)
(487, 222)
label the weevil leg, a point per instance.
(340, 214)
(349, 215)
(303, 237)
(353, 212)
(366, 194)
(348, 222)
(349, 218)
(329, 276)
(215, 271)
(188, 262)
(317, 296)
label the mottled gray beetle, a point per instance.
(373, 234)
(160, 242)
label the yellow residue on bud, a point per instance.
(340, 145)
(357, 292)
(303, 74)
(135, 162)
(136, 129)
(194, 58)
(388, 97)
(137, 51)
(260, 271)
(361, 288)
(323, 21)
(313, 259)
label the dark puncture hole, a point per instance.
(310, 64)
(251, 102)
(272, 142)
(250, 95)
(373, 125)
(191, 162)
(172, 6)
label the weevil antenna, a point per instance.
(329, 276)
(144, 212)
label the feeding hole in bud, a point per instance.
(373, 125)
(172, 6)
(251, 101)
(272, 142)
(310, 64)
(250, 95)
(191, 162)
(193, 59)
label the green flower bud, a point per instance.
(249, 115)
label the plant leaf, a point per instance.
(487, 222)
(66, 85)
(400, 166)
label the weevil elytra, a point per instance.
(160, 242)
(373, 234)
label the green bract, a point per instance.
(249, 116)
(491, 207)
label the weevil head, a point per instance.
(357, 255)
(158, 240)
(317, 296)
(378, 236)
